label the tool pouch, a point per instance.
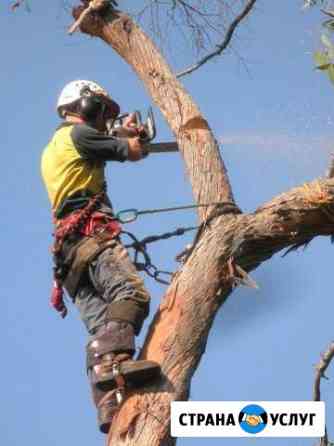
(79, 256)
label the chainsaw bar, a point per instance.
(162, 147)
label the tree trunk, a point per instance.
(197, 144)
(178, 334)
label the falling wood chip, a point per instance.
(239, 276)
(244, 279)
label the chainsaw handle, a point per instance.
(138, 117)
(150, 123)
(147, 130)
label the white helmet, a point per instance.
(73, 91)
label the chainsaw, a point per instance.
(147, 132)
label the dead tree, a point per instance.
(237, 242)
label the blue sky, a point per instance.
(276, 119)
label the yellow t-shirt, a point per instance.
(65, 172)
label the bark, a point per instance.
(178, 334)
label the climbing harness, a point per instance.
(82, 222)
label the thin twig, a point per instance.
(330, 171)
(16, 4)
(329, 13)
(321, 368)
(225, 42)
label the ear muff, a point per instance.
(90, 107)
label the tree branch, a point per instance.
(321, 368)
(227, 39)
(179, 331)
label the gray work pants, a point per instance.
(112, 290)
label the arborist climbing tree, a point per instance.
(90, 260)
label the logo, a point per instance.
(253, 419)
(248, 419)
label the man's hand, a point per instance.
(130, 121)
(131, 132)
(130, 128)
(135, 149)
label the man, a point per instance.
(90, 261)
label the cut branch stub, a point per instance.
(89, 20)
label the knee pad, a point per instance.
(130, 311)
